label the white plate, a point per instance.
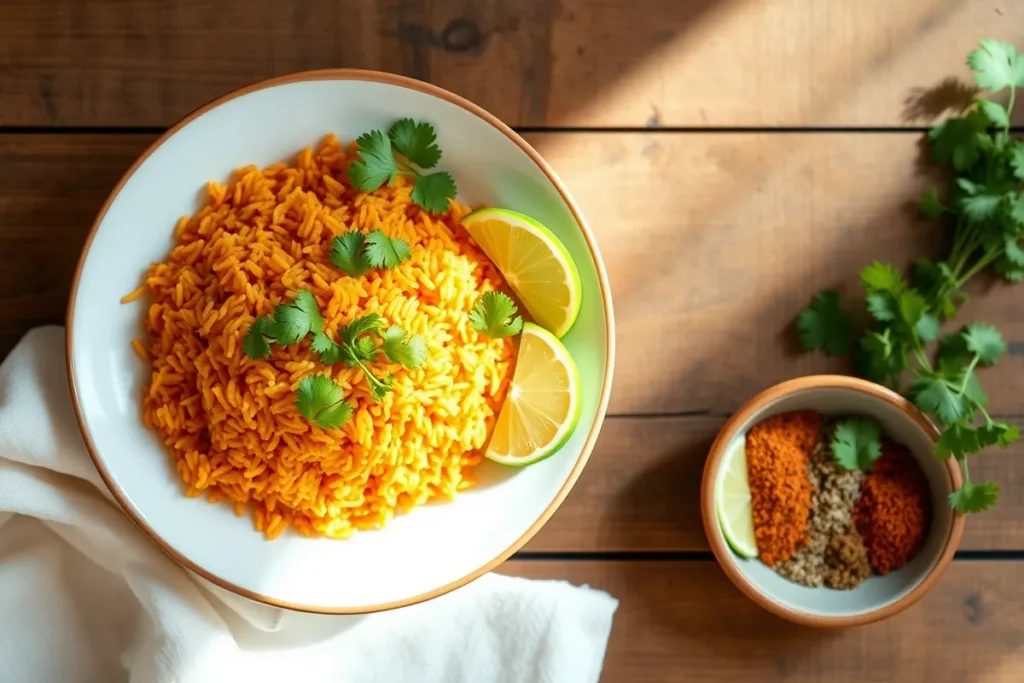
(420, 555)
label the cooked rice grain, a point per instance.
(231, 423)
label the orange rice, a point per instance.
(231, 423)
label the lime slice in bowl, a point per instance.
(543, 402)
(732, 501)
(536, 265)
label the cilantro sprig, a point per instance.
(354, 253)
(408, 148)
(901, 346)
(494, 315)
(358, 347)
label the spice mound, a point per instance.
(894, 510)
(824, 519)
(780, 490)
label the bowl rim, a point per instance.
(428, 89)
(725, 556)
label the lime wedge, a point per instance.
(543, 402)
(732, 501)
(536, 265)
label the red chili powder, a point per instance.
(894, 511)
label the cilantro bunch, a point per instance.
(406, 149)
(902, 346)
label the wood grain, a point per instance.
(647, 63)
(640, 492)
(713, 242)
(684, 621)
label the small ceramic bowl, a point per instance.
(879, 597)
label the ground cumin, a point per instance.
(780, 489)
(894, 510)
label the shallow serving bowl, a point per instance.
(418, 556)
(878, 597)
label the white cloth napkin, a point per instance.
(84, 596)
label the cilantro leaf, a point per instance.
(937, 282)
(330, 352)
(882, 277)
(1009, 270)
(953, 350)
(857, 443)
(321, 402)
(257, 340)
(957, 441)
(1017, 212)
(998, 433)
(877, 357)
(386, 252)
(824, 325)
(365, 349)
(1017, 158)
(347, 253)
(1014, 254)
(493, 315)
(371, 322)
(379, 388)
(913, 309)
(400, 347)
(996, 65)
(981, 205)
(927, 328)
(994, 112)
(882, 306)
(297, 319)
(416, 142)
(933, 395)
(984, 341)
(931, 206)
(376, 163)
(433, 191)
(958, 140)
(971, 497)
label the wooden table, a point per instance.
(733, 157)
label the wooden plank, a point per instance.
(533, 63)
(713, 242)
(640, 491)
(682, 621)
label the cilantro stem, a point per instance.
(922, 360)
(965, 468)
(371, 379)
(967, 374)
(988, 418)
(1009, 109)
(979, 266)
(407, 169)
(958, 244)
